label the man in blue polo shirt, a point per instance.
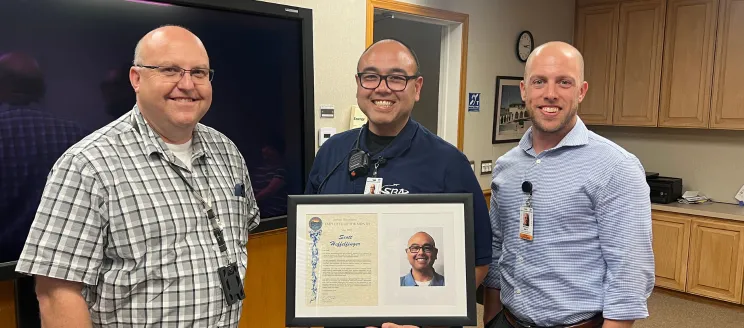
(404, 157)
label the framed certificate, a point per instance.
(363, 260)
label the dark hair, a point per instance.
(413, 53)
(23, 78)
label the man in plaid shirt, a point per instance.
(142, 222)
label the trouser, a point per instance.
(498, 322)
(501, 321)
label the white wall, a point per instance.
(707, 160)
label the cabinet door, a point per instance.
(671, 243)
(687, 64)
(638, 72)
(265, 280)
(728, 98)
(716, 259)
(596, 38)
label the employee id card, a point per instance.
(373, 186)
(526, 223)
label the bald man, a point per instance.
(586, 259)
(145, 221)
(422, 253)
(403, 157)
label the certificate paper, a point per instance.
(362, 260)
(342, 249)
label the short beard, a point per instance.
(560, 127)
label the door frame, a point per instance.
(438, 14)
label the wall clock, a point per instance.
(525, 44)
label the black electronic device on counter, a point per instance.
(664, 190)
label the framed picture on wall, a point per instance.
(510, 116)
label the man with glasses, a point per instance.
(394, 151)
(145, 221)
(422, 253)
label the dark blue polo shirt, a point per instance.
(417, 161)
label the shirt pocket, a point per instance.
(233, 211)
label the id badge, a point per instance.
(373, 186)
(526, 223)
(232, 286)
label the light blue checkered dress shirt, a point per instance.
(592, 248)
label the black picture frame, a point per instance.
(507, 94)
(466, 199)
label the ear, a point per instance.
(418, 85)
(135, 78)
(582, 90)
(521, 90)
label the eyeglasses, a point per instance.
(175, 73)
(416, 248)
(394, 82)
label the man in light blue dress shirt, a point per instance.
(584, 258)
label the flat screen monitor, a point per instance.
(64, 73)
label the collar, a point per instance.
(400, 143)
(154, 143)
(436, 280)
(578, 136)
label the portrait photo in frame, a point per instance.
(510, 115)
(351, 260)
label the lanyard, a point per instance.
(217, 226)
(378, 162)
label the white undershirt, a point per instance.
(423, 283)
(182, 152)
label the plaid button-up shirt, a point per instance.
(116, 216)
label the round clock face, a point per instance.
(524, 45)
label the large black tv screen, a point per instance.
(64, 73)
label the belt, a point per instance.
(593, 322)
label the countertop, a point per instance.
(715, 210)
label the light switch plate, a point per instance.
(486, 167)
(327, 111)
(325, 134)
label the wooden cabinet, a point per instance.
(671, 243)
(728, 98)
(638, 68)
(7, 303)
(596, 39)
(665, 63)
(699, 255)
(265, 280)
(687, 70)
(716, 267)
(621, 43)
